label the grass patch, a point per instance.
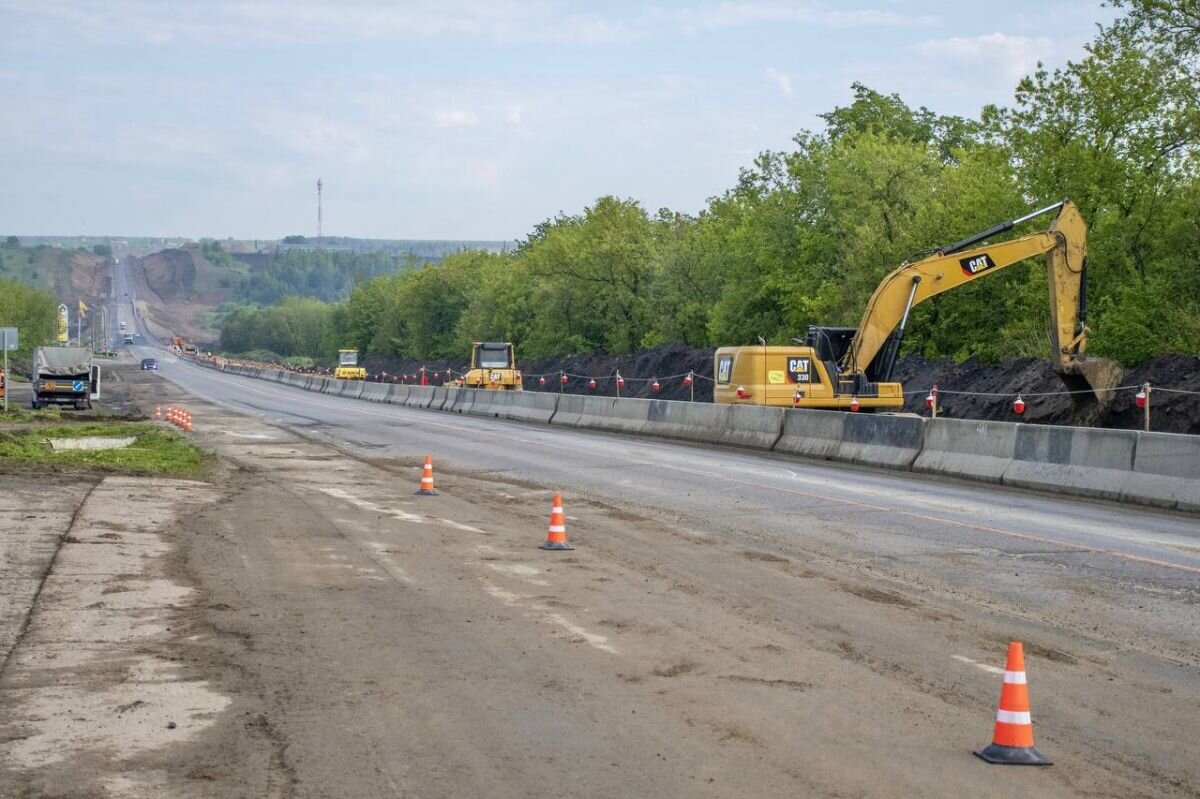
(21, 414)
(156, 451)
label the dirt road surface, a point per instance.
(729, 624)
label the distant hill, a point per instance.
(67, 274)
(426, 249)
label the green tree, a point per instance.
(31, 310)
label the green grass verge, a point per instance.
(156, 451)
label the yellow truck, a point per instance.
(845, 368)
(348, 368)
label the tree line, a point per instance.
(806, 233)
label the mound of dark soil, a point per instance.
(968, 390)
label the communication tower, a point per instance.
(320, 238)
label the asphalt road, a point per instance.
(914, 586)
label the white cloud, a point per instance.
(512, 115)
(455, 118)
(781, 80)
(157, 22)
(1007, 57)
(739, 13)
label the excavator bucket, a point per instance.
(1093, 380)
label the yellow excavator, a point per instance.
(493, 368)
(842, 368)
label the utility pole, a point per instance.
(320, 236)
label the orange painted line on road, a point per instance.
(1084, 548)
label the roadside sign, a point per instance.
(64, 324)
(8, 341)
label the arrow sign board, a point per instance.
(77, 385)
(8, 338)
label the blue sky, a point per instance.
(458, 119)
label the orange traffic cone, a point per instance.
(556, 537)
(1012, 741)
(158, 412)
(187, 421)
(427, 488)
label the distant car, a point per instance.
(128, 339)
(149, 364)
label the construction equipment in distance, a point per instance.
(835, 368)
(493, 367)
(348, 368)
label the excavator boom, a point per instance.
(1064, 244)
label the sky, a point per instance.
(456, 119)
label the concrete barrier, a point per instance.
(875, 440)
(688, 421)
(518, 406)
(812, 434)
(483, 402)
(418, 396)
(607, 414)
(752, 426)
(578, 410)
(375, 392)
(970, 449)
(1159, 469)
(1166, 471)
(459, 401)
(1074, 460)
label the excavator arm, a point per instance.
(1064, 244)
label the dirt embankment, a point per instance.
(182, 286)
(1033, 378)
(170, 274)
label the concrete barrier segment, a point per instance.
(872, 439)
(418, 396)
(700, 422)
(1073, 460)
(524, 406)
(968, 449)
(752, 426)
(812, 434)
(1166, 471)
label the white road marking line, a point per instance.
(366, 504)
(989, 669)
(598, 641)
(459, 526)
(526, 573)
(519, 601)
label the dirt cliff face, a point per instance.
(171, 274)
